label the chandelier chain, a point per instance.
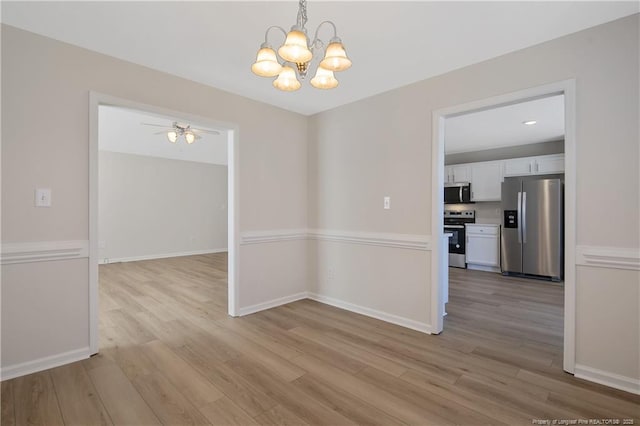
(302, 13)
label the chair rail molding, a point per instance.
(43, 251)
(608, 257)
(383, 239)
(272, 236)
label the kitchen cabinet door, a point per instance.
(550, 164)
(518, 166)
(461, 173)
(486, 179)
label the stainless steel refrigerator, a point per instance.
(532, 227)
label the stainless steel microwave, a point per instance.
(457, 192)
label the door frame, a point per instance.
(233, 212)
(438, 274)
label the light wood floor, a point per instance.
(169, 354)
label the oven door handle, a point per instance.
(454, 226)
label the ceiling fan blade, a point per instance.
(157, 125)
(213, 132)
(162, 132)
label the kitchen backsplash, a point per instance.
(486, 212)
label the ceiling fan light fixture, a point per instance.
(324, 79)
(335, 57)
(266, 64)
(287, 80)
(189, 136)
(172, 135)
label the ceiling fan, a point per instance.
(181, 129)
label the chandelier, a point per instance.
(297, 51)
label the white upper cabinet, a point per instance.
(550, 164)
(544, 164)
(486, 179)
(457, 173)
(518, 166)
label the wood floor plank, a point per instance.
(166, 401)
(279, 416)
(224, 412)
(185, 378)
(122, 401)
(379, 397)
(235, 387)
(354, 409)
(430, 402)
(79, 402)
(8, 417)
(358, 353)
(303, 406)
(267, 359)
(35, 400)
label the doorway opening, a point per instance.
(461, 164)
(147, 198)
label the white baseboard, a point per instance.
(45, 363)
(383, 316)
(103, 260)
(606, 378)
(272, 303)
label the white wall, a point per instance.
(381, 146)
(154, 207)
(45, 143)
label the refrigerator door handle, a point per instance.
(524, 217)
(520, 217)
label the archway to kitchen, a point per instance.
(227, 135)
(440, 253)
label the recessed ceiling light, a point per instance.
(530, 122)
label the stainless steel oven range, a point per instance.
(454, 223)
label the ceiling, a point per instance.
(120, 131)
(504, 126)
(391, 44)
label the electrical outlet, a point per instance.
(387, 203)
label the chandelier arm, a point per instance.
(266, 33)
(315, 37)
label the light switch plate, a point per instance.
(43, 197)
(387, 203)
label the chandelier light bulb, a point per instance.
(295, 48)
(172, 135)
(287, 80)
(324, 79)
(266, 64)
(189, 136)
(335, 57)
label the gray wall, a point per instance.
(153, 207)
(45, 93)
(381, 146)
